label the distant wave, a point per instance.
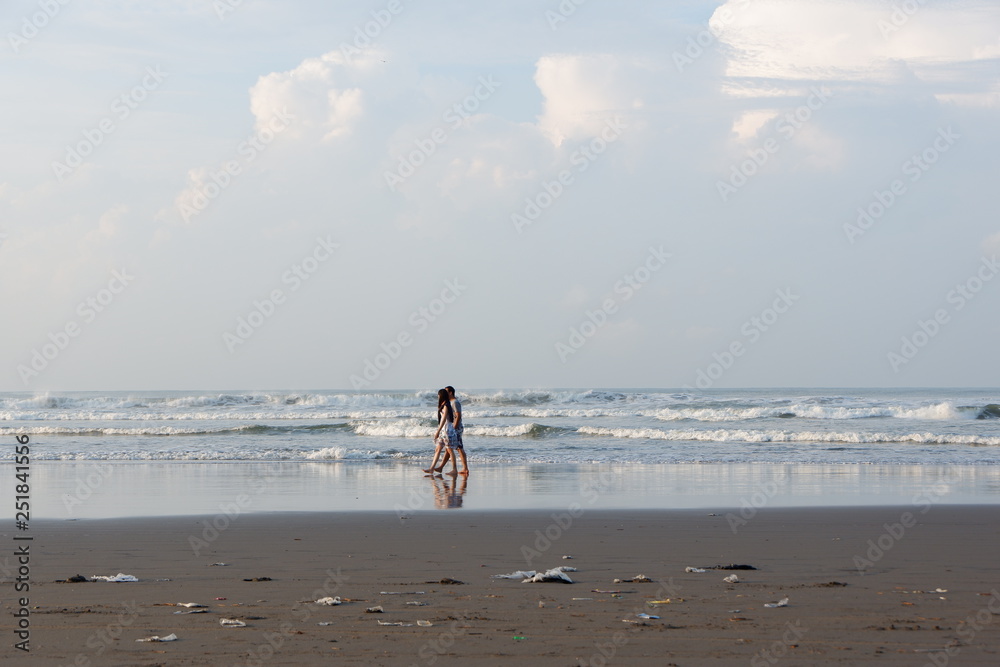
(423, 429)
(938, 411)
(744, 435)
(164, 430)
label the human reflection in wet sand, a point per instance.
(448, 493)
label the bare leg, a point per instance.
(444, 460)
(454, 464)
(437, 452)
(465, 462)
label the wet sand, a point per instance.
(915, 585)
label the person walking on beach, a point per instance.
(445, 437)
(456, 406)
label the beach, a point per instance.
(911, 584)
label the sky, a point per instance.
(395, 194)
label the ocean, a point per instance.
(910, 427)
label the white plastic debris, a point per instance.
(402, 593)
(115, 578)
(324, 623)
(189, 604)
(567, 558)
(424, 624)
(555, 574)
(783, 602)
(646, 616)
(232, 623)
(398, 624)
(416, 603)
(192, 611)
(329, 601)
(695, 570)
(520, 574)
(169, 638)
(375, 610)
(732, 579)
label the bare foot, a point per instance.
(454, 473)
(465, 473)
(436, 469)
(429, 470)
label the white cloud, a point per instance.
(783, 43)
(582, 92)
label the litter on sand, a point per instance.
(424, 624)
(329, 601)
(189, 604)
(232, 623)
(533, 576)
(155, 638)
(324, 623)
(637, 579)
(783, 602)
(398, 624)
(416, 603)
(375, 610)
(695, 570)
(115, 578)
(192, 611)
(646, 616)
(555, 574)
(732, 579)
(667, 601)
(401, 593)
(731, 566)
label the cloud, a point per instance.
(776, 46)
(583, 92)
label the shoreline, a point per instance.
(67, 490)
(908, 593)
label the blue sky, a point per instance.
(394, 194)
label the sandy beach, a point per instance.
(909, 585)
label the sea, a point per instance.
(525, 446)
(517, 426)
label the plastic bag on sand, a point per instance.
(695, 570)
(114, 578)
(169, 638)
(232, 623)
(329, 601)
(732, 579)
(555, 574)
(783, 602)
